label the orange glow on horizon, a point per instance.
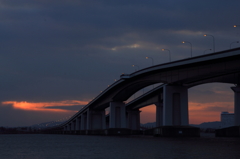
(43, 106)
(150, 108)
(198, 112)
(148, 114)
(208, 112)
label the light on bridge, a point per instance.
(233, 43)
(190, 45)
(213, 41)
(169, 53)
(136, 66)
(151, 59)
(206, 50)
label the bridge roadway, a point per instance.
(171, 98)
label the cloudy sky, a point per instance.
(57, 55)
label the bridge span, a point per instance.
(170, 98)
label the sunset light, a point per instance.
(44, 106)
(198, 112)
(206, 112)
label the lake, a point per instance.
(44, 146)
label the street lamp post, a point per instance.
(213, 41)
(206, 50)
(169, 53)
(235, 26)
(136, 66)
(151, 59)
(190, 45)
(233, 43)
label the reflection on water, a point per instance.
(40, 146)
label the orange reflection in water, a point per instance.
(43, 106)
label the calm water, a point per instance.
(40, 146)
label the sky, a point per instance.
(58, 55)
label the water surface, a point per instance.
(41, 146)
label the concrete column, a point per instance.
(69, 127)
(97, 119)
(133, 119)
(73, 125)
(117, 115)
(83, 121)
(107, 121)
(175, 105)
(236, 105)
(104, 126)
(88, 122)
(159, 114)
(77, 123)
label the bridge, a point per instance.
(170, 97)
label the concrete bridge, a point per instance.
(170, 98)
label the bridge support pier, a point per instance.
(117, 115)
(175, 105)
(159, 114)
(133, 119)
(78, 119)
(69, 127)
(97, 119)
(73, 126)
(174, 114)
(65, 129)
(83, 124)
(117, 120)
(236, 105)
(92, 121)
